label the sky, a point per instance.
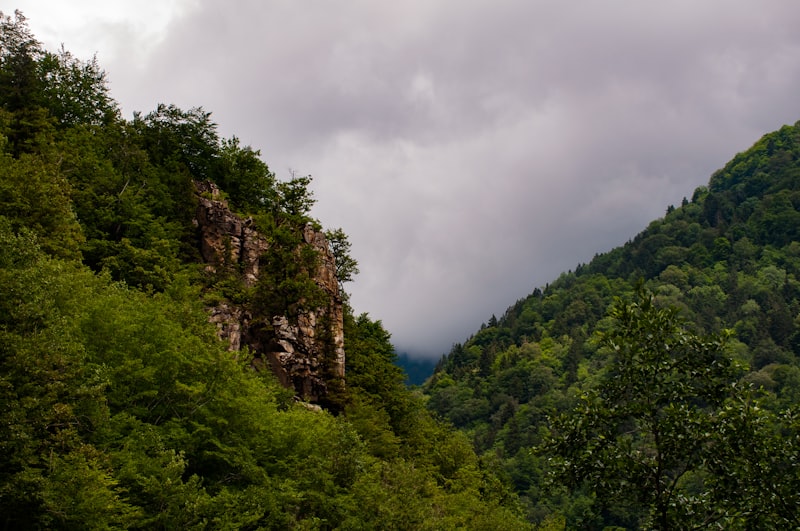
(471, 150)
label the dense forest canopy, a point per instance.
(121, 407)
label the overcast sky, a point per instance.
(472, 150)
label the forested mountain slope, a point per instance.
(543, 389)
(120, 406)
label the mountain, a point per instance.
(177, 350)
(723, 269)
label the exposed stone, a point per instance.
(225, 238)
(229, 320)
(334, 312)
(305, 354)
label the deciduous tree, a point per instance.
(643, 437)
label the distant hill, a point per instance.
(417, 370)
(726, 258)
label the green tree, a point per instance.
(181, 140)
(753, 471)
(27, 126)
(641, 439)
(294, 198)
(246, 178)
(346, 265)
(20, 86)
(75, 91)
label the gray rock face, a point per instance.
(307, 355)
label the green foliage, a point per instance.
(123, 410)
(120, 406)
(74, 91)
(182, 141)
(649, 424)
(41, 89)
(19, 52)
(346, 265)
(35, 195)
(296, 199)
(246, 179)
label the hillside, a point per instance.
(724, 268)
(177, 351)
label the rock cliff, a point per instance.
(306, 351)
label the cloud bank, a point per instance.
(471, 150)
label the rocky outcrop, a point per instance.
(231, 321)
(225, 238)
(305, 352)
(308, 353)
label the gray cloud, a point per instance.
(474, 150)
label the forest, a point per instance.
(121, 406)
(655, 387)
